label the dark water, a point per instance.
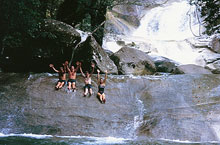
(28, 139)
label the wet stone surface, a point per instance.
(176, 107)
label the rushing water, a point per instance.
(33, 139)
(164, 31)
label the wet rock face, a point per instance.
(191, 69)
(133, 61)
(181, 107)
(215, 43)
(90, 51)
(34, 106)
(164, 64)
(177, 107)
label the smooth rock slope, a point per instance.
(178, 107)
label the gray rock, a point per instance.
(133, 61)
(215, 43)
(109, 52)
(65, 34)
(175, 107)
(214, 66)
(90, 51)
(164, 64)
(191, 69)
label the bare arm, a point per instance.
(82, 72)
(106, 73)
(98, 76)
(78, 66)
(52, 66)
(67, 67)
(93, 66)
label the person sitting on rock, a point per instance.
(72, 75)
(101, 86)
(87, 80)
(62, 77)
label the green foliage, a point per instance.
(20, 18)
(210, 12)
(14, 40)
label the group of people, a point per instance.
(87, 79)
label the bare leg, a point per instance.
(69, 85)
(74, 86)
(57, 86)
(61, 85)
(100, 97)
(85, 92)
(103, 98)
(90, 91)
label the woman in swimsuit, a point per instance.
(87, 80)
(101, 86)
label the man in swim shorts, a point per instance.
(72, 75)
(62, 77)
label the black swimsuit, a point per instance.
(71, 80)
(101, 89)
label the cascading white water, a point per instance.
(167, 23)
(164, 31)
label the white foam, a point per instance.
(83, 35)
(30, 77)
(216, 128)
(49, 74)
(94, 140)
(107, 140)
(167, 23)
(187, 141)
(27, 135)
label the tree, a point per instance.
(210, 12)
(87, 15)
(20, 23)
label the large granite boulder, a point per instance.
(164, 64)
(191, 69)
(54, 44)
(64, 33)
(90, 51)
(133, 61)
(214, 66)
(215, 43)
(174, 107)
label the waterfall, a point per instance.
(164, 31)
(167, 23)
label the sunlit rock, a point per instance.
(191, 69)
(171, 107)
(164, 64)
(215, 43)
(133, 61)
